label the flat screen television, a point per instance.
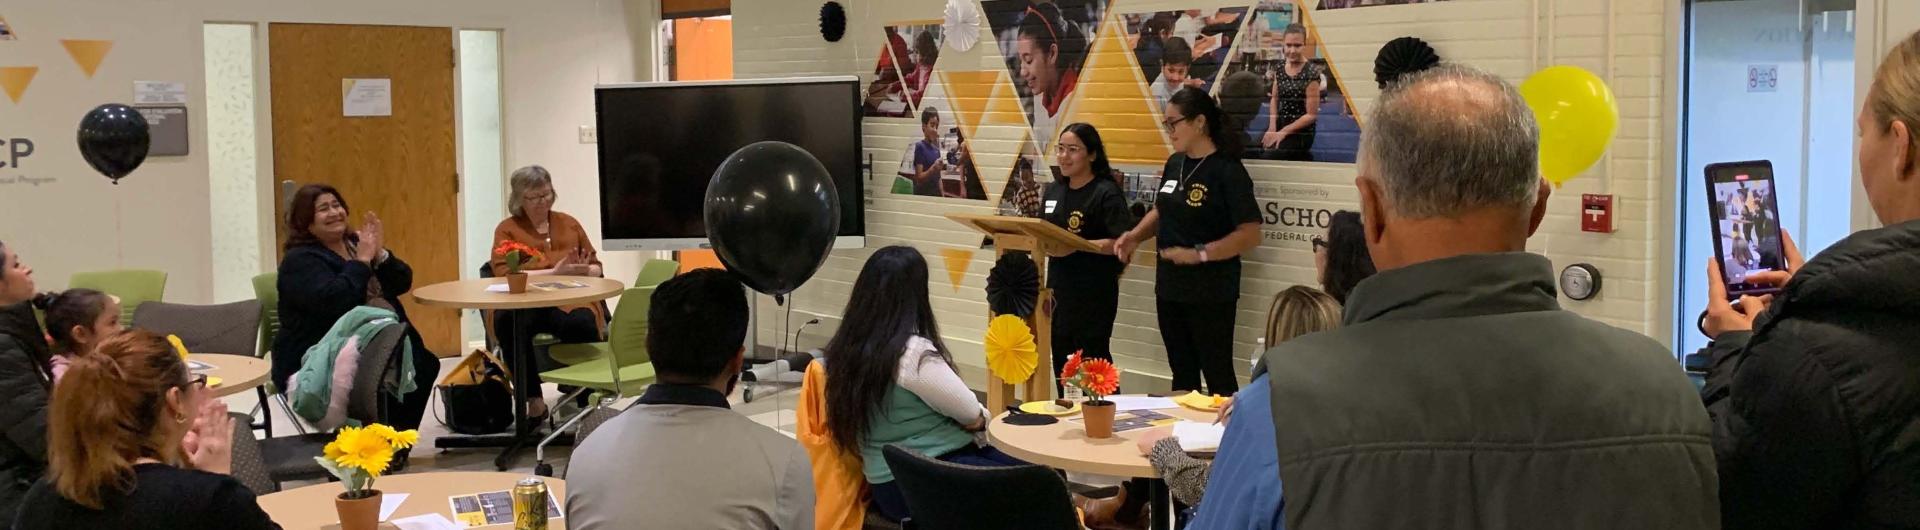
(661, 142)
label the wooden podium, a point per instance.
(1036, 237)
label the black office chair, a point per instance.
(943, 495)
(290, 458)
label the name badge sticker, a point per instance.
(1051, 205)
(1169, 186)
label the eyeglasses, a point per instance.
(1168, 124)
(544, 197)
(1061, 149)
(198, 381)
(1319, 243)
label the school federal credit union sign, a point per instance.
(1295, 214)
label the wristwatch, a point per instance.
(1203, 254)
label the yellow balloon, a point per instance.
(1577, 116)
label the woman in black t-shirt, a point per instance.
(1204, 217)
(135, 440)
(1086, 285)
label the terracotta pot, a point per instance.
(1098, 416)
(358, 514)
(517, 283)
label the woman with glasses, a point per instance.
(1205, 217)
(1088, 202)
(1293, 100)
(565, 250)
(137, 441)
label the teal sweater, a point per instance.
(904, 419)
(312, 387)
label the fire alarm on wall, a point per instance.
(1596, 213)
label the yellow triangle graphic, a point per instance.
(1003, 107)
(15, 80)
(958, 259)
(88, 53)
(970, 92)
(1114, 100)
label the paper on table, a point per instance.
(1141, 403)
(389, 503)
(1199, 437)
(497, 288)
(432, 521)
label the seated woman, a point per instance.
(1341, 258)
(1296, 311)
(891, 380)
(328, 270)
(137, 441)
(566, 250)
(26, 378)
(77, 319)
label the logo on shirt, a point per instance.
(1073, 222)
(1196, 194)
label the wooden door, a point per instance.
(401, 167)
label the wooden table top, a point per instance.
(311, 507)
(237, 373)
(473, 294)
(1065, 445)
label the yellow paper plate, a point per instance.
(1197, 401)
(212, 381)
(1047, 408)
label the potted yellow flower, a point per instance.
(356, 456)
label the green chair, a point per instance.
(623, 367)
(266, 289)
(656, 272)
(133, 287)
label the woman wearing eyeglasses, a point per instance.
(565, 250)
(1205, 217)
(1088, 202)
(1294, 100)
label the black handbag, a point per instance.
(477, 396)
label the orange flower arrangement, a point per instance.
(516, 254)
(1097, 377)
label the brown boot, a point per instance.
(1104, 513)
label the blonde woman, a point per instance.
(566, 250)
(1296, 311)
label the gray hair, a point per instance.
(524, 179)
(1452, 139)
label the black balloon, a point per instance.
(772, 213)
(113, 139)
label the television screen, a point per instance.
(661, 142)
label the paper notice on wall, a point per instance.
(366, 97)
(159, 93)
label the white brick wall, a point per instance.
(1623, 41)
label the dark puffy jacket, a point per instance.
(25, 381)
(1816, 413)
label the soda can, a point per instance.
(530, 504)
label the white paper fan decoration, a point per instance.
(962, 26)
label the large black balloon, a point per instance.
(113, 139)
(772, 213)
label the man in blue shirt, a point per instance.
(1243, 488)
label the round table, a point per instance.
(475, 294)
(1064, 445)
(311, 507)
(237, 373)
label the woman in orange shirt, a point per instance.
(566, 250)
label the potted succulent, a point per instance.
(516, 256)
(356, 456)
(1098, 379)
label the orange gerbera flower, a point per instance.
(1072, 368)
(1099, 377)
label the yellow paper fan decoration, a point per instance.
(1011, 353)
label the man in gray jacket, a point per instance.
(1458, 394)
(679, 457)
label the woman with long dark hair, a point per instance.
(891, 380)
(1205, 218)
(1342, 257)
(1048, 53)
(331, 268)
(1086, 285)
(26, 379)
